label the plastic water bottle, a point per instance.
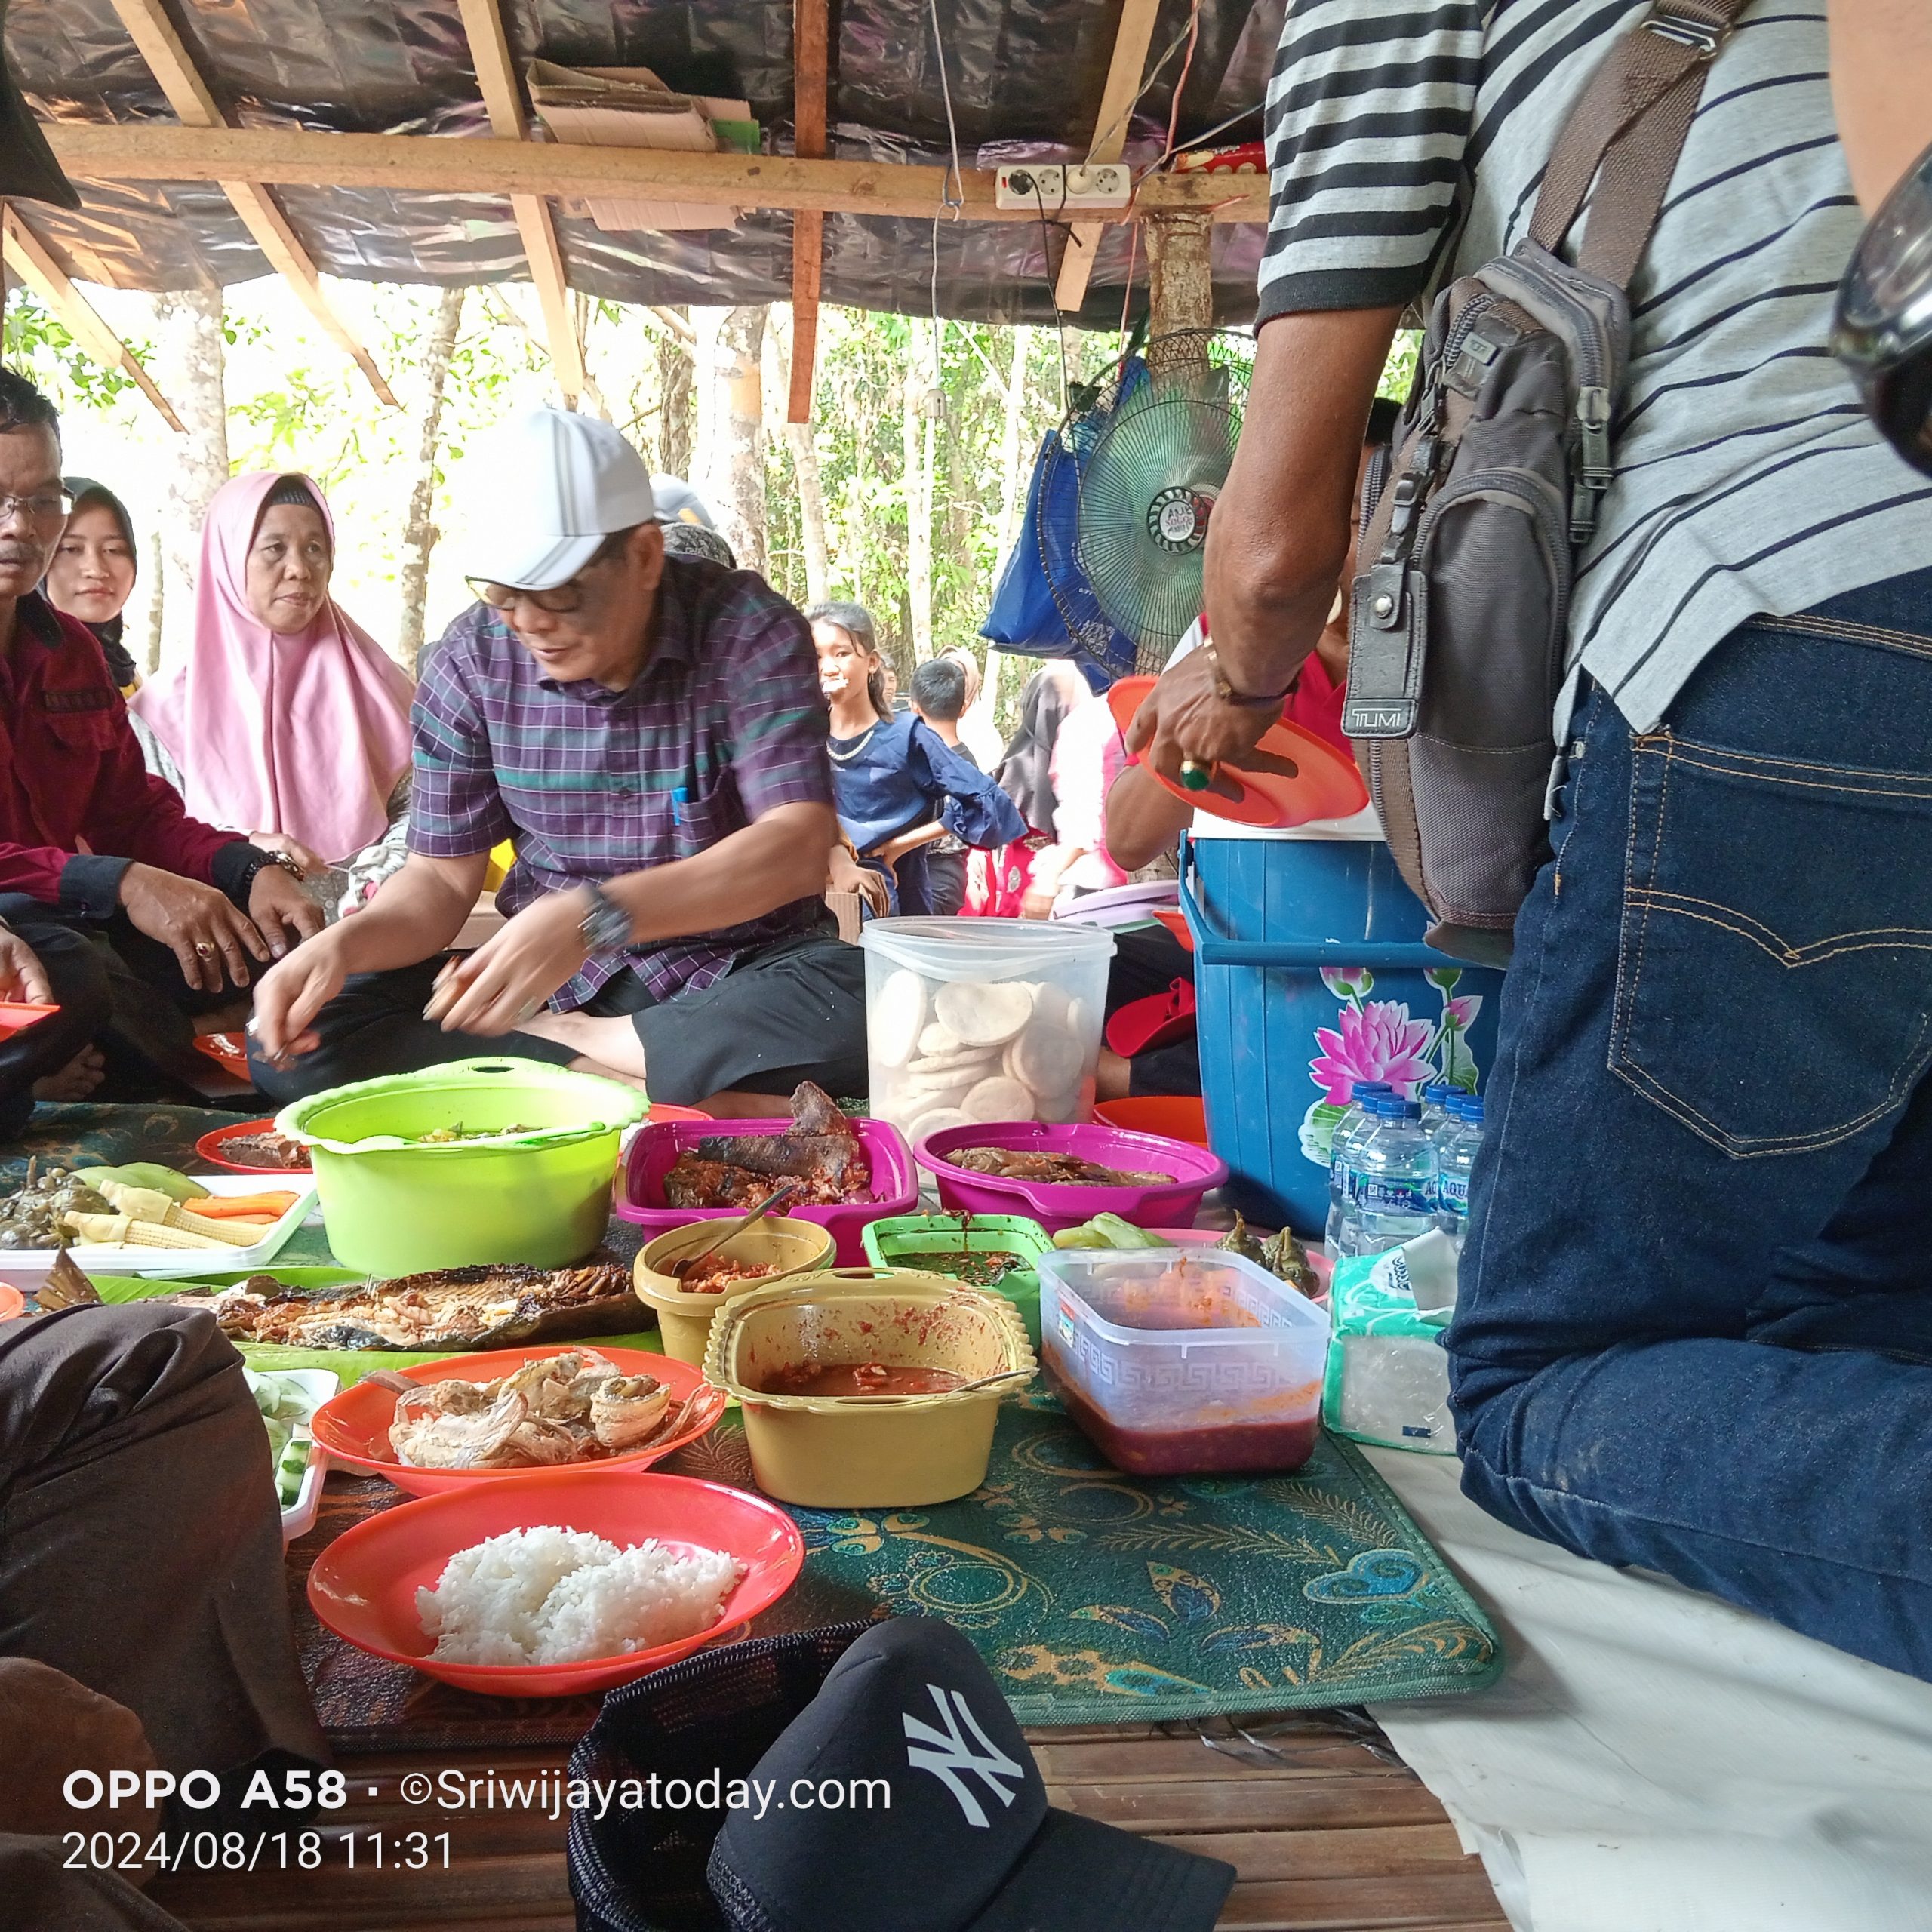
(1395, 1167)
(1435, 1097)
(1354, 1117)
(1455, 1155)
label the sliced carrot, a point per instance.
(243, 1207)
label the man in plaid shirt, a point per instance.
(650, 732)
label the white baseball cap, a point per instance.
(558, 483)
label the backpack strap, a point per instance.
(1630, 124)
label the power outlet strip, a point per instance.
(1047, 186)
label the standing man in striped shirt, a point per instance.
(1694, 1331)
(649, 731)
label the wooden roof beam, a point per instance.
(448, 164)
(1132, 39)
(30, 259)
(496, 81)
(161, 47)
(811, 57)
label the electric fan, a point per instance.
(1149, 476)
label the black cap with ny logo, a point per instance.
(963, 1839)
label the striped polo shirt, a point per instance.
(1748, 480)
(725, 722)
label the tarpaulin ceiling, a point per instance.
(1025, 79)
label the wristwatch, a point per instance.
(606, 927)
(1226, 692)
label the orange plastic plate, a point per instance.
(1326, 785)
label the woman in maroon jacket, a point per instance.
(109, 892)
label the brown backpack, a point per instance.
(1458, 615)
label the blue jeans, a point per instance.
(1694, 1331)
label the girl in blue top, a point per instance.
(898, 785)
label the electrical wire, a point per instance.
(1120, 120)
(1180, 85)
(953, 197)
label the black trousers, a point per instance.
(118, 989)
(791, 1011)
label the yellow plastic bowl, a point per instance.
(796, 1247)
(844, 1452)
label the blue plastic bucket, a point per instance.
(1310, 974)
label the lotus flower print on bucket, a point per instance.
(1376, 1039)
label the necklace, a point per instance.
(846, 758)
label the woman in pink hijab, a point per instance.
(288, 722)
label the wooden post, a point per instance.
(810, 56)
(1180, 276)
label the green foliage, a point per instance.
(39, 345)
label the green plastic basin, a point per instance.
(542, 1195)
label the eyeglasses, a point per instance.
(42, 507)
(559, 598)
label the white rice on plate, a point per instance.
(546, 1595)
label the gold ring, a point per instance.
(1195, 777)
(203, 950)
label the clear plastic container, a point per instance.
(974, 1021)
(1176, 1362)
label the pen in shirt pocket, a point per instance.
(680, 800)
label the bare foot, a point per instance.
(581, 1064)
(732, 1104)
(613, 1043)
(76, 1080)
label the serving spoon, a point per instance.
(681, 1268)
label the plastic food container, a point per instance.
(914, 1241)
(1055, 1205)
(354, 1426)
(982, 1019)
(212, 1148)
(1174, 1116)
(654, 1152)
(1178, 1363)
(835, 1452)
(684, 1320)
(364, 1586)
(395, 1205)
(27, 1268)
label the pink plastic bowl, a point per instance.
(1194, 1169)
(895, 1188)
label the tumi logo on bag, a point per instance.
(951, 1757)
(1378, 720)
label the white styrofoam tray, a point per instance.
(318, 1385)
(26, 1268)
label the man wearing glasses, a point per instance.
(109, 892)
(649, 731)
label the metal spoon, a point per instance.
(965, 1388)
(681, 1268)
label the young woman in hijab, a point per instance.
(92, 575)
(898, 785)
(287, 720)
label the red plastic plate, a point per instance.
(1326, 784)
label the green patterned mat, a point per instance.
(1097, 1597)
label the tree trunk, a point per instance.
(155, 565)
(674, 409)
(731, 454)
(919, 405)
(1012, 480)
(802, 439)
(419, 536)
(190, 357)
(801, 443)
